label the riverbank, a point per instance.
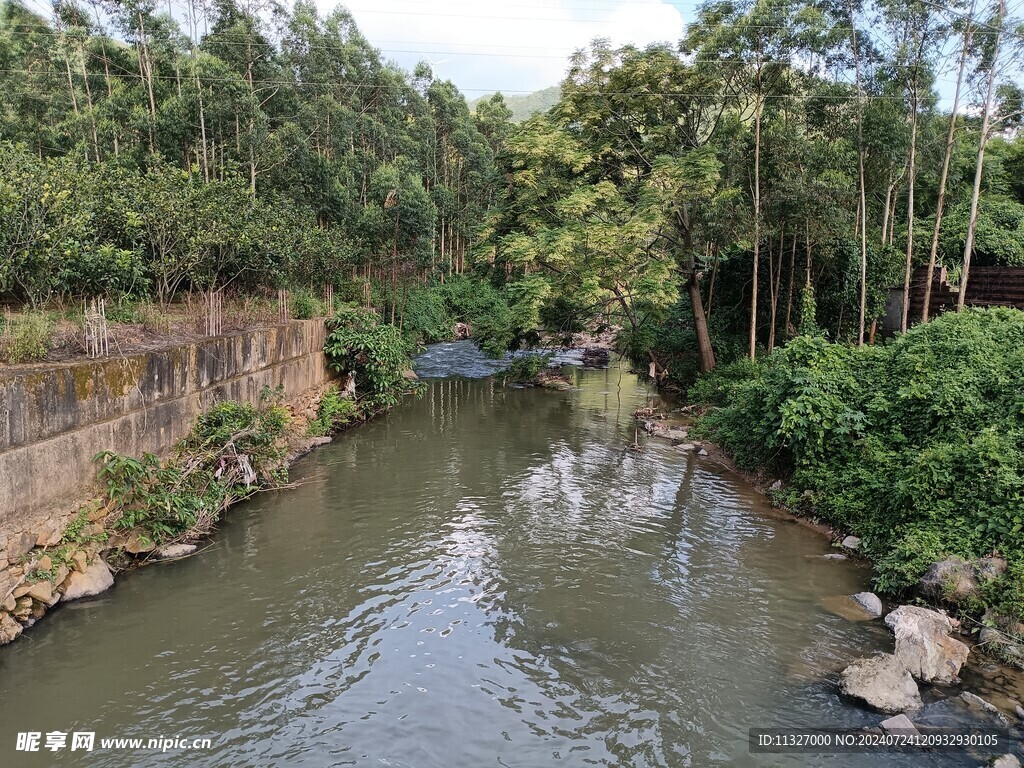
(78, 554)
(157, 505)
(988, 685)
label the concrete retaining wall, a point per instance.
(53, 421)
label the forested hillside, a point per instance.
(788, 163)
(526, 105)
(782, 166)
(239, 145)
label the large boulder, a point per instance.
(924, 646)
(882, 682)
(870, 602)
(9, 628)
(952, 580)
(95, 579)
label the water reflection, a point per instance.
(485, 577)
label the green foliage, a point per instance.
(917, 446)
(304, 305)
(375, 353)
(525, 368)
(425, 315)
(233, 450)
(333, 413)
(26, 337)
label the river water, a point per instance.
(485, 577)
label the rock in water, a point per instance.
(9, 628)
(924, 646)
(175, 550)
(882, 682)
(1005, 761)
(869, 602)
(900, 724)
(97, 578)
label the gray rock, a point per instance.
(174, 550)
(990, 568)
(7, 583)
(870, 602)
(702, 452)
(686, 447)
(9, 628)
(834, 556)
(1005, 761)
(883, 683)
(97, 578)
(776, 486)
(952, 580)
(924, 646)
(900, 724)
(318, 441)
(851, 542)
(20, 545)
(976, 702)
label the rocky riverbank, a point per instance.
(76, 552)
(931, 648)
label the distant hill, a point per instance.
(530, 104)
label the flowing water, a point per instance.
(485, 577)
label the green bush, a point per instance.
(305, 306)
(26, 338)
(425, 315)
(233, 450)
(916, 446)
(333, 412)
(373, 352)
(526, 368)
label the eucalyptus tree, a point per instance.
(967, 31)
(914, 29)
(991, 42)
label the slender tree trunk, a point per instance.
(714, 276)
(889, 188)
(146, 69)
(863, 194)
(944, 176)
(757, 221)
(705, 350)
(89, 103)
(912, 170)
(807, 244)
(789, 291)
(775, 282)
(982, 141)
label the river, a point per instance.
(485, 577)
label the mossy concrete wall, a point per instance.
(54, 420)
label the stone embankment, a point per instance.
(54, 541)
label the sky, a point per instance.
(512, 46)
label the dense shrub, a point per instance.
(373, 352)
(425, 315)
(333, 412)
(232, 451)
(26, 337)
(917, 446)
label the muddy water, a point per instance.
(483, 578)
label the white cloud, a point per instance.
(513, 46)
